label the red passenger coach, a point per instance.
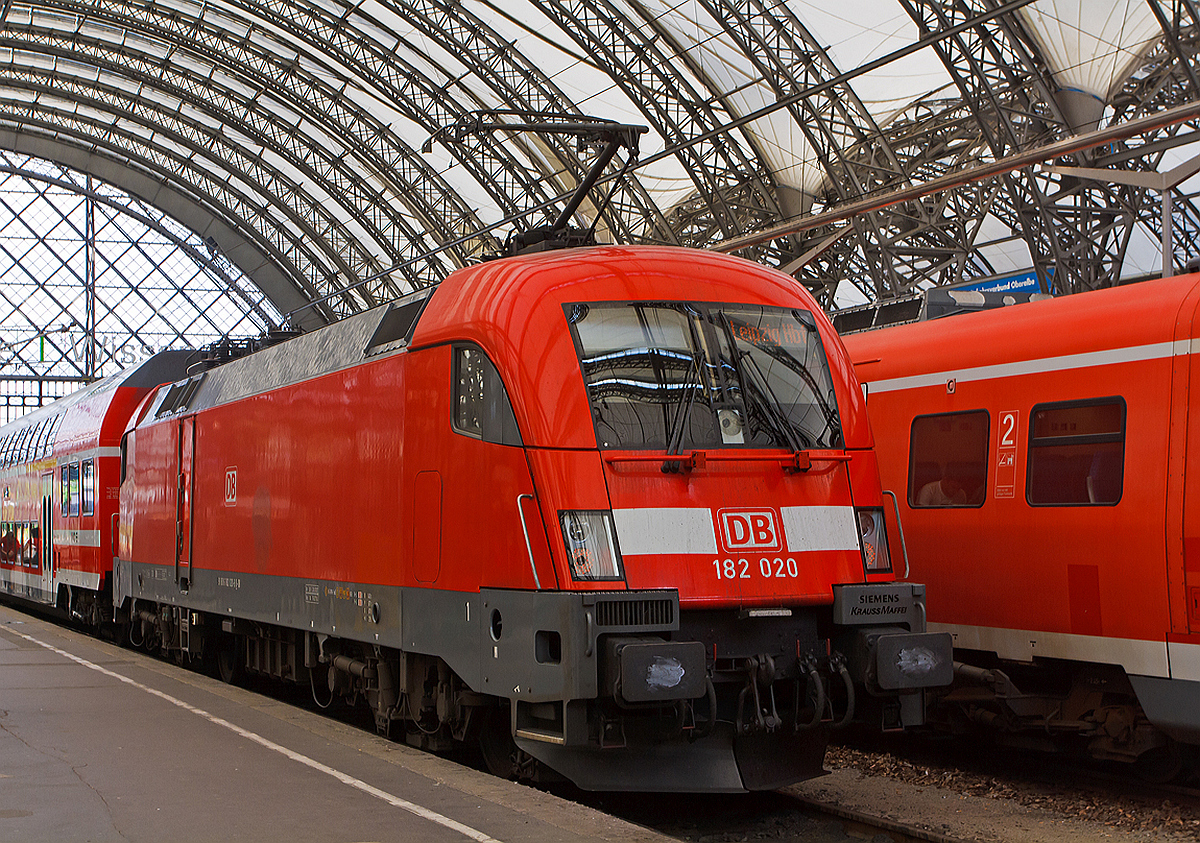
(1046, 451)
(613, 512)
(59, 473)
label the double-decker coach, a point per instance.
(59, 476)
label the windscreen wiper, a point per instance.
(764, 399)
(683, 410)
(683, 406)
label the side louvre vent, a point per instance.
(640, 613)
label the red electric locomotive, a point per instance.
(614, 512)
(60, 471)
(1044, 451)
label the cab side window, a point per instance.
(481, 406)
(1076, 453)
(948, 460)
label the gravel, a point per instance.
(979, 792)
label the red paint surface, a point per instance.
(334, 475)
(1112, 570)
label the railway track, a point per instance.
(925, 790)
(918, 788)
(863, 825)
(1067, 793)
(780, 815)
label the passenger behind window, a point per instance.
(946, 491)
(972, 477)
(948, 460)
(8, 545)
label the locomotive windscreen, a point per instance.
(682, 375)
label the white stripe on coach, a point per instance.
(77, 538)
(1185, 660)
(78, 579)
(23, 577)
(89, 454)
(32, 577)
(1140, 657)
(1131, 354)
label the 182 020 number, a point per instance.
(742, 569)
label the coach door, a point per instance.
(1183, 475)
(183, 503)
(46, 545)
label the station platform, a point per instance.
(100, 743)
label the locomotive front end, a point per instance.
(726, 592)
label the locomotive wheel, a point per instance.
(229, 659)
(1162, 765)
(497, 746)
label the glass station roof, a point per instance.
(95, 280)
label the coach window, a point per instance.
(29, 445)
(35, 544)
(948, 460)
(64, 489)
(50, 437)
(1076, 453)
(72, 489)
(28, 557)
(481, 405)
(87, 486)
(8, 543)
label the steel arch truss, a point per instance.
(1077, 232)
(288, 133)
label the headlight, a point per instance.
(590, 545)
(874, 541)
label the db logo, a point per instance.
(749, 529)
(231, 486)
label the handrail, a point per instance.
(528, 545)
(900, 527)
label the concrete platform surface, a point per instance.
(99, 743)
